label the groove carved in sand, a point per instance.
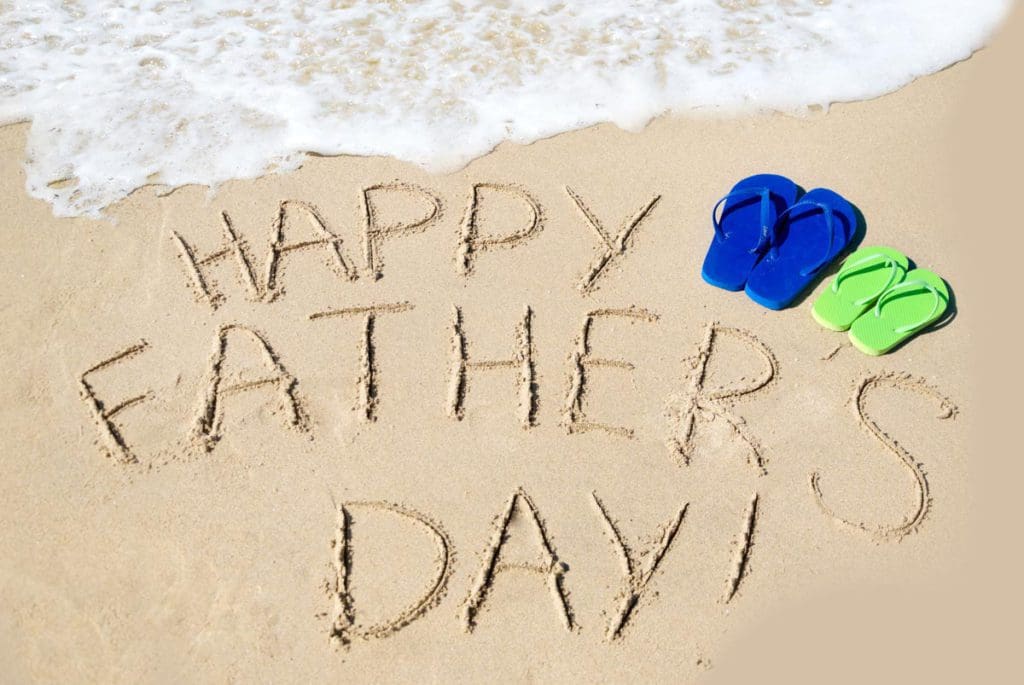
(471, 243)
(343, 623)
(581, 361)
(922, 495)
(829, 356)
(323, 238)
(114, 442)
(522, 362)
(233, 246)
(636, 577)
(701, 404)
(374, 233)
(366, 379)
(550, 568)
(613, 247)
(744, 548)
(211, 413)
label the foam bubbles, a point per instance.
(121, 94)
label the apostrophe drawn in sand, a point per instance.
(366, 380)
(613, 247)
(470, 241)
(550, 569)
(110, 433)
(636, 578)
(323, 239)
(375, 234)
(211, 413)
(702, 405)
(521, 362)
(922, 497)
(343, 624)
(581, 362)
(233, 246)
(744, 547)
(829, 356)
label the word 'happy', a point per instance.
(506, 200)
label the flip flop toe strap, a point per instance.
(904, 287)
(863, 264)
(745, 193)
(829, 227)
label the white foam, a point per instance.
(124, 93)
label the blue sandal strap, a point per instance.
(907, 285)
(765, 195)
(803, 204)
(863, 263)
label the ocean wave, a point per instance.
(121, 94)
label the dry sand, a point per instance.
(483, 425)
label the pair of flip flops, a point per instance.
(773, 242)
(880, 300)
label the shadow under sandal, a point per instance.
(902, 312)
(807, 237)
(864, 276)
(743, 232)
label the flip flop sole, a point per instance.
(729, 262)
(779, 278)
(877, 335)
(825, 323)
(837, 309)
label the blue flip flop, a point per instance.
(807, 237)
(743, 232)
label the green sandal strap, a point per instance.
(863, 263)
(909, 285)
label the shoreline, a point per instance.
(697, 115)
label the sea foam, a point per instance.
(122, 93)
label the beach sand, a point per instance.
(487, 425)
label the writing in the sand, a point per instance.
(260, 371)
(507, 205)
(638, 567)
(301, 227)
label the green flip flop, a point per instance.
(901, 312)
(864, 276)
